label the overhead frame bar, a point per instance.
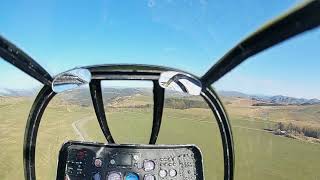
(127, 72)
(303, 18)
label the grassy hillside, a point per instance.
(13, 114)
(259, 153)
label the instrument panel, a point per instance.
(95, 161)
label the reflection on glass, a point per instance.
(71, 79)
(180, 82)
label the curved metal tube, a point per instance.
(222, 119)
(97, 100)
(176, 79)
(158, 101)
(31, 131)
(296, 21)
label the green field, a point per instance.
(259, 154)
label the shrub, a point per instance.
(305, 130)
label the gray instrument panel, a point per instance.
(95, 161)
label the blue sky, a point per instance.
(190, 35)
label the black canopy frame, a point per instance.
(303, 18)
(125, 72)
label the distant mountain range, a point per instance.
(113, 93)
(17, 92)
(233, 94)
(271, 100)
(285, 100)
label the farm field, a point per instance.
(259, 153)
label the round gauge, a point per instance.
(172, 172)
(162, 173)
(132, 176)
(136, 157)
(149, 177)
(98, 162)
(112, 161)
(148, 165)
(114, 176)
